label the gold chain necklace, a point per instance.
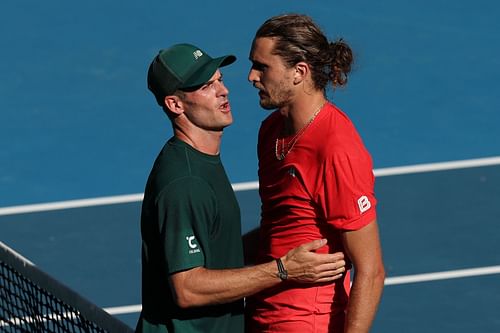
(286, 148)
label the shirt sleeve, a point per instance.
(186, 210)
(348, 197)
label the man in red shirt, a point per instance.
(315, 181)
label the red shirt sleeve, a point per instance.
(347, 195)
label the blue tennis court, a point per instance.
(79, 132)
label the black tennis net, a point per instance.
(32, 301)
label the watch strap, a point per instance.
(282, 273)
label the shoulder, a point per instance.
(339, 132)
(337, 141)
(172, 163)
(337, 123)
(178, 168)
(188, 190)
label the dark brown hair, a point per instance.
(298, 39)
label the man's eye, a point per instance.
(259, 67)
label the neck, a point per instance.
(207, 142)
(299, 113)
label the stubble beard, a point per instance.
(282, 97)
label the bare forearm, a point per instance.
(363, 302)
(363, 247)
(205, 286)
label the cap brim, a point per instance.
(204, 74)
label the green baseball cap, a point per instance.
(182, 66)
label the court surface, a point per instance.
(79, 132)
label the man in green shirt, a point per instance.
(193, 274)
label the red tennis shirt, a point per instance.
(324, 185)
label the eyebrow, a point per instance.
(256, 63)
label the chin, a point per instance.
(266, 105)
(226, 124)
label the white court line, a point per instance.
(418, 168)
(461, 273)
(429, 167)
(23, 209)
(390, 281)
(246, 186)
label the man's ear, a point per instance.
(301, 72)
(174, 104)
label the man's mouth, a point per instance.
(225, 107)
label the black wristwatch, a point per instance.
(282, 273)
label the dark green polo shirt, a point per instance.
(190, 218)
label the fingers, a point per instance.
(337, 256)
(314, 245)
(316, 273)
(329, 278)
(327, 258)
(318, 243)
(331, 269)
(329, 275)
(321, 277)
(305, 265)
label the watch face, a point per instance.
(283, 275)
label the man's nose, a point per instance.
(253, 76)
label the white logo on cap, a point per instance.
(364, 204)
(197, 54)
